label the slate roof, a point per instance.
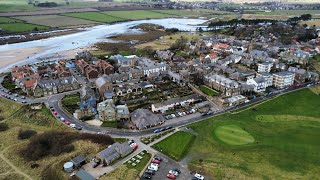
(143, 118)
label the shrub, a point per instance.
(3, 127)
(26, 134)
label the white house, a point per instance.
(259, 84)
(150, 67)
(267, 76)
(283, 79)
(171, 103)
(265, 67)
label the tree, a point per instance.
(305, 17)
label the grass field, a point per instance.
(266, 16)
(95, 16)
(21, 27)
(315, 89)
(286, 144)
(285, 12)
(15, 5)
(109, 124)
(176, 146)
(208, 91)
(5, 20)
(192, 13)
(55, 20)
(166, 41)
(233, 135)
(136, 14)
(311, 23)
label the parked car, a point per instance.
(148, 171)
(177, 170)
(62, 119)
(153, 168)
(24, 102)
(78, 128)
(162, 129)
(156, 131)
(173, 116)
(199, 176)
(157, 158)
(155, 161)
(72, 125)
(67, 122)
(23, 97)
(55, 113)
(154, 164)
(171, 176)
(174, 172)
(168, 127)
(184, 114)
(146, 176)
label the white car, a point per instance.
(174, 172)
(173, 115)
(154, 165)
(62, 119)
(72, 125)
(199, 176)
(153, 168)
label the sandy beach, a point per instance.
(11, 57)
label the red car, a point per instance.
(171, 176)
(67, 122)
(55, 113)
(155, 161)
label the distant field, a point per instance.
(285, 12)
(4, 20)
(15, 5)
(311, 23)
(95, 16)
(265, 16)
(192, 13)
(21, 27)
(136, 14)
(55, 20)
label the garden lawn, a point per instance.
(176, 146)
(71, 103)
(208, 91)
(95, 16)
(136, 14)
(286, 145)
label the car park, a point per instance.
(171, 176)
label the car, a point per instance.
(23, 97)
(171, 176)
(188, 112)
(184, 114)
(147, 176)
(151, 172)
(154, 164)
(166, 117)
(162, 129)
(309, 85)
(58, 116)
(169, 116)
(153, 168)
(180, 114)
(16, 95)
(15, 99)
(55, 113)
(24, 102)
(157, 158)
(131, 141)
(199, 176)
(72, 125)
(177, 170)
(156, 131)
(95, 164)
(78, 128)
(62, 119)
(155, 161)
(168, 127)
(67, 122)
(173, 116)
(174, 172)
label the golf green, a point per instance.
(233, 135)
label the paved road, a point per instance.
(54, 101)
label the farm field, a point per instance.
(4, 20)
(279, 141)
(95, 16)
(192, 13)
(21, 27)
(15, 5)
(311, 23)
(208, 91)
(136, 14)
(285, 12)
(177, 145)
(265, 16)
(55, 20)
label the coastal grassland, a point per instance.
(284, 12)
(55, 20)
(166, 41)
(177, 145)
(127, 171)
(95, 16)
(21, 27)
(48, 167)
(192, 13)
(208, 91)
(286, 145)
(71, 102)
(136, 14)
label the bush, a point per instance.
(26, 134)
(3, 127)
